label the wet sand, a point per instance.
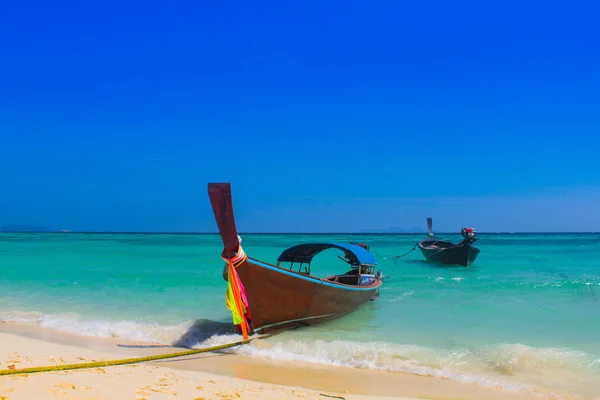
(202, 376)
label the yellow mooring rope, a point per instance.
(125, 361)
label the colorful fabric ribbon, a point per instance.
(236, 298)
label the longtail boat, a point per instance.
(264, 297)
(445, 252)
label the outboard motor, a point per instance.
(469, 235)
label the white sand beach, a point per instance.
(204, 376)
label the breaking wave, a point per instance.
(513, 367)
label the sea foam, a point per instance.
(513, 367)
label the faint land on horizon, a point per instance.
(28, 228)
(23, 228)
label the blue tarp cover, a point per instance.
(304, 253)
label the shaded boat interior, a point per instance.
(434, 244)
(355, 254)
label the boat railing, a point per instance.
(301, 266)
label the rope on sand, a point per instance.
(124, 361)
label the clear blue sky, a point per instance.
(325, 116)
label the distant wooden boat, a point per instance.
(443, 251)
(278, 297)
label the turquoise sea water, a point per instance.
(526, 314)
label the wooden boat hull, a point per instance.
(463, 255)
(283, 299)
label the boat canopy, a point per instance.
(304, 253)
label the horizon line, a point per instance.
(298, 233)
